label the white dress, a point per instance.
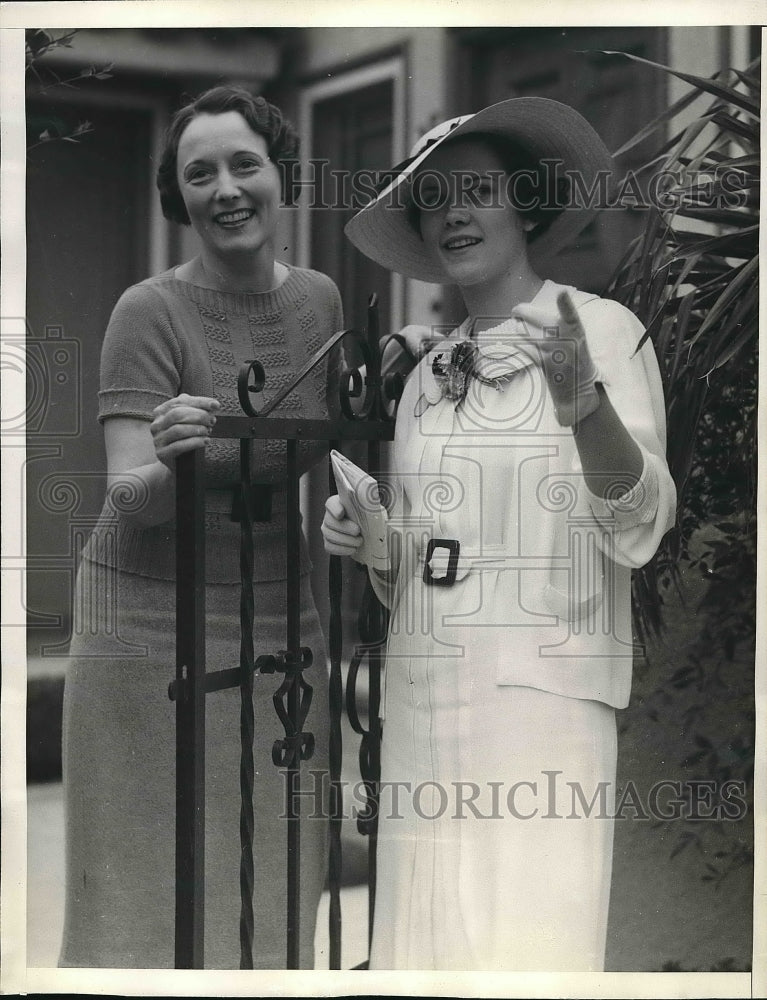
(499, 742)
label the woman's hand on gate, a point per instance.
(341, 534)
(563, 354)
(182, 424)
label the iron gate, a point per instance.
(368, 400)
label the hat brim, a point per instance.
(548, 129)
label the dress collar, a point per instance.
(500, 352)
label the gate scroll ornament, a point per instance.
(368, 400)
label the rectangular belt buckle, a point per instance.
(454, 547)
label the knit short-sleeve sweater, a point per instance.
(167, 337)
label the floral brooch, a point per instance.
(452, 371)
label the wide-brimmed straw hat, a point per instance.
(545, 129)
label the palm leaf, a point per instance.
(682, 323)
(749, 79)
(736, 344)
(730, 295)
(692, 278)
(746, 130)
(652, 127)
(706, 84)
(723, 216)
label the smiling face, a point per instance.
(474, 232)
(230, 187)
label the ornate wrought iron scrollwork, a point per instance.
(373, 622)
(379, 392)
(376, 390)
(246, 388)
(296, 745)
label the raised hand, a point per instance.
(561, 349)
(182, 424)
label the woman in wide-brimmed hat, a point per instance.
(528, 478)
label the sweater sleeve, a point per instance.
(141, 359)
(637, 519)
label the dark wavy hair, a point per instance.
(264, 119)
(537, 194)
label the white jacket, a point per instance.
(544, 574)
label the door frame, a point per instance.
(154, 258)
(159, 235)
(391, 69)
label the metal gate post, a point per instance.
(188, 691)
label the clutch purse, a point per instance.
(359, 495)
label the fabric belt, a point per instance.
(492, 558)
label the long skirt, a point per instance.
(495, 824)
(119, 778)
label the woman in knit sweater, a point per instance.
(169, 365)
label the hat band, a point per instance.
(389, 176)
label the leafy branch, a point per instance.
(44, 78)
